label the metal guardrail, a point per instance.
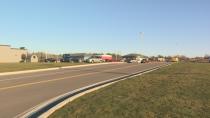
(36, 112)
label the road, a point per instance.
(19, 93)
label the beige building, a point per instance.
(11, 55)
(161, 59)
(175, 59)
(34, 58)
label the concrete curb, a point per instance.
(50, 69)
(45, 109)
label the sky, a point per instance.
(171, 27)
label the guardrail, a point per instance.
(45, 107)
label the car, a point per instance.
(76, 59)
(133, 60)
(95, 59)
(144, 61)
(128, 60)
(50, 60)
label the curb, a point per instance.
(45, 109)
(50, 69)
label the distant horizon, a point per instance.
(94, 52)
(178, 27)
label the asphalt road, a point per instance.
(19, 93)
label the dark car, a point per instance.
(144, 61)
(50, 60)
(77, 59)
(128, 60)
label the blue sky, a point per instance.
(59, 26)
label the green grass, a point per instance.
(10, 67)
(178, 91)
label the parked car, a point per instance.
(135, 61)
(50, 60)
(128, 60)
(76, 59)
(144, 61)
(61, 60)
(95, 59)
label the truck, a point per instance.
(106, 58)
(66, 58)
(78, 57)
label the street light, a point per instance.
(141, 35)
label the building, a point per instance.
(161, 59)
(175, 59)
(33, 59)
(11, 55)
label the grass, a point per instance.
(10, 67)
(178, 91)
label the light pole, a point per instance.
(46, 55)
(141, 35)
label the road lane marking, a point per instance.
(40, 75)
(46, 81)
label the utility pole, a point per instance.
(141, 36)
(45, 54)
(116, 56)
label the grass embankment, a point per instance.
(180, 90)
(10, 67)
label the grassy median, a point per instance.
(10, 67)
(177, 91)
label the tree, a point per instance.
(206, 56)
(23, 58)
(160, 56)
(183, 58)
(22, 48)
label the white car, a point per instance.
(137, 60)
(95, 60)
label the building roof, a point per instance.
(6, 45)
(18, 49)
(12, 48)
(80, 54)
(133, 55)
